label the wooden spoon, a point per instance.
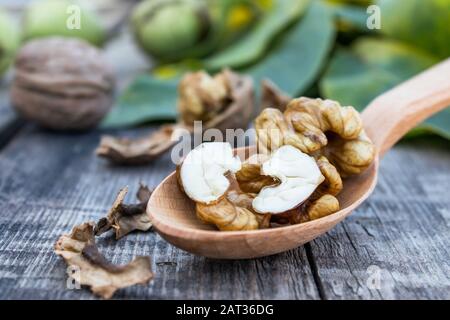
(386, 120)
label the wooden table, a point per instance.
(395, 246)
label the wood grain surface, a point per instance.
(401, 233)
(50, 182)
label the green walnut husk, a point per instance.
(363, 3)
(424, 24)
(58, 18)
(9, 41)
(170, 30)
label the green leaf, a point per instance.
(9, 40)
(372, 66)
(350, 17)
(253, 45)
(439, 124)
(422, 23)
(296, 62)
(293, 65)
(146, 99)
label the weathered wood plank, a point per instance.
(7, 114)
(401, 234)
(50, 182)
(10, 123)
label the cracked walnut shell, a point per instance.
(223, 101)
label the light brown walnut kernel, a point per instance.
(226, 216)
(318, 127)
(250, 178)
(322, 207)
(312, 118)
(333, 183)
(273, 131)
(245, 200)
(351, 157)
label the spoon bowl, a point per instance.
(173, 216)
(386, 120)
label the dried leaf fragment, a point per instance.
(125, 218)
(80, 251)
(273, 97)
(137, 151)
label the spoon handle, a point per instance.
(394, 113)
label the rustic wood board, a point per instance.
(7, 114)
(397, 244)
(51, 182)
(9, 121)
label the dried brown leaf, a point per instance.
(125, 218)
(137, 151)
(80, 251)
(273, 97)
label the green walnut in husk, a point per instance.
(9, 40)
(64, 18)
(170, 30)
(424, 24)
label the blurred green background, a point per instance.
(318, 48)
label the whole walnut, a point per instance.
(62, 83)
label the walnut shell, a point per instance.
(62, 83)
(225, 101)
